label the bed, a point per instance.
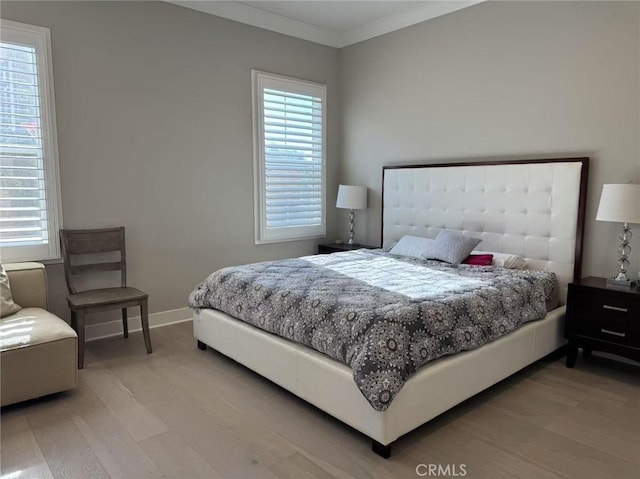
(534, 209)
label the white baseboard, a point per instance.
(156, 320)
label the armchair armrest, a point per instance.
(28, 284)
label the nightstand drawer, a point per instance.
(606, 306)
(611, 330)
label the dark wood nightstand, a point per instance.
(336, 248)
(601, 318)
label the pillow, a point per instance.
(479, 259)
(506, 260)
(414, 246)
(7, 306)
(451, 247)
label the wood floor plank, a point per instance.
(453, 444)
(20, 453)
(618, 437)
(120, 454)
(139, 421)
(588, 380)
(567, 456)
(486, 460)
(219, 433)
(298, 466)
(176, 459)
(573, 459)
(67, 453)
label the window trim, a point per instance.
(40, 38)
(286, 233)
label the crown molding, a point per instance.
(257, 17)
(402, 19)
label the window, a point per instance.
(29, 192)
(289, 158)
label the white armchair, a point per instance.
(38, 350)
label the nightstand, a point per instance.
(336, 248)
(603, 319)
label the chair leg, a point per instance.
(125, 323)
(144, 318)
(77, 323)
(74, 321)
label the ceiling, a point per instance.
(329, 22)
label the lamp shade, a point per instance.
(352, 197)
(619, 203)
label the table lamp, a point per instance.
(621, 204)
(352, 198)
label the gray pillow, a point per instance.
(7, 306)
(414, 246)
(451, 247)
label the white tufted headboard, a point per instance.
(532, 208)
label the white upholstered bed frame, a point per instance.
(531, 208)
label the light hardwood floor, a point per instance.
(185, 413)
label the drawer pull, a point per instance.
(614, 333)
(615, 308)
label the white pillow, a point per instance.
(505, 260)
(414, 246)
(451, 247)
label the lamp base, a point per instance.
(352, 222)
(620, 283)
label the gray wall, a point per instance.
(154, 127)
(504, 79)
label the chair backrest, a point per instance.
(95, 241)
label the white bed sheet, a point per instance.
(385, 272)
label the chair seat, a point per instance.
(104, 296)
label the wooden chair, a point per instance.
(83, 242)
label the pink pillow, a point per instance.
(479, 259)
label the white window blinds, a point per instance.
(289, 137)
(28, 164)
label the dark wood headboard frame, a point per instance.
(582, 201)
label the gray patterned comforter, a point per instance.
(382, 315)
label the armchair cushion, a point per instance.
(32, 326)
